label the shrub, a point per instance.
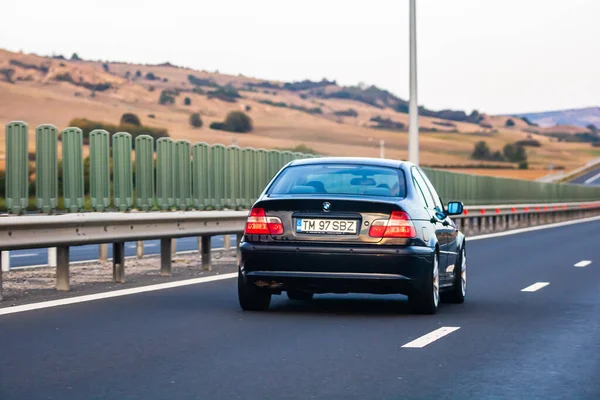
(127, 74)
(248, 108)
(237, 121)
(151, 77)
(528, 121)
(509, 123)
(514, 153)
(194, 80)
(187, 101)
(131, 119)
(272, 103)
(166, 97)
(75, 57)
(219, 126)
(313, 110)
(485, 125)
(226, 93)
(346, 113)
(198, 90)
(151, 116)
(105, 67)
(592, 128)
(196, 120)
(138, 74)
(387, 123)
(8, 74)
(151, 88)
(87, 126)
(444, 123)
(529, 142)
(523, 165)
(165, 79)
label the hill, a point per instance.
(322, 116)
(581, 117)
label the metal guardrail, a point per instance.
(562, 175)
(62, 231)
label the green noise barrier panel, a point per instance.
(72, 169)
(122, 171)
(46, 168)
(233, 177)
(99, 169)
(248, 177)
(261, 178)
(200, 176)
(217, 177)
(183, 175)
(144, 172)
(17, 167)
(164, 173)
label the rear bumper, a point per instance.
(327, 269)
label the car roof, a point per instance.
(376, 162)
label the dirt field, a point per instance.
(39, 98)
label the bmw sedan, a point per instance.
(352, 225)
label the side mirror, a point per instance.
(455, 208)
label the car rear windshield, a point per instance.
(344, 179)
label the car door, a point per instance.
(448, 226)
(438, 227)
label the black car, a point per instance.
(352, 225)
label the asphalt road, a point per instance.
(21, 258)
(589, 178)
(194, 342)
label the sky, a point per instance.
(496, 56)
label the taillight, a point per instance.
(259, 224)
(398, 226)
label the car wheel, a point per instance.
(298, 295)
(428, 300)
(252, 298)
(459, 288)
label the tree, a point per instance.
(481, 151)
(138, 74)
(237, 121)
(75, 57)
(127, 75)
(509, 123)
(196, 120)
(187, 101)
(514, 153)
(130, 119)
(523, 165)
(593, 128)
(150, 76)
(105, 67)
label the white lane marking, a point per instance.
(592, 179)
(23, 255)
(535, 287)
(582, 263)
(532, 228)
(116, 293)
(431, 337)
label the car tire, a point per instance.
(458, 292)
(252, 298)
(428, 299)
(298, 295)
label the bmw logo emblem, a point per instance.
(326, 206)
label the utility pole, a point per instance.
(381, 148)
(413, 108)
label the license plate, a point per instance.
(326, 226)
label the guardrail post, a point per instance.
(5, 260)
(119, 262)
(205, 245)
(199, 244)
(227, 242)
(62, 269)
(165, 256)
(173, 247)
(52, 257)
(103, 252)
(139, 249)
